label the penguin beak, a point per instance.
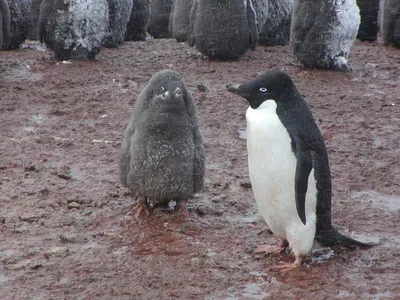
(238, 90)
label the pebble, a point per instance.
(56, 252)
(73, 238)
(74, 205)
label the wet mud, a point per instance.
(66, 230)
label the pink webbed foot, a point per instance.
(141, 208)
(181, 207)
(270, 249)
(285, 266)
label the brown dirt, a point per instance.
(65, 230)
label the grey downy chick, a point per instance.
(162, 156)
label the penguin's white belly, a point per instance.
(272, 168)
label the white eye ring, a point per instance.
(162, 88)
(263, 89)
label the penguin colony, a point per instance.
(163, 156)
(320, 33)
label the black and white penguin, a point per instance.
(20, 24)
(223, 29)
(73, 29)
(368, 29)
(162, 155)
(5, 33)
(119, 14)
(322, 32)
(34, 19)
(390, 21)
(160, 11)
(179, 19)
(288, 166)
(276, 28)
(136, 29)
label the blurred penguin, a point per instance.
(179, 19)
(5, 34)
(119, 12)
(390, 21)
(73, 29)
(368, 29)
(322, 32)
(137, 25)
(20, 12)
(162, 155)
(34, 19)
(223, 30)
(160, 11)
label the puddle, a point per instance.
(3, 278)
(242, 133)
(321, 255)
(249, 291)
(380, 201)
(17, 72)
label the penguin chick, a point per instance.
(162, 155)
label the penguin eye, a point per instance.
(162, 89)
(262, 89)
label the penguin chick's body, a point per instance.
(322, 32)
(73, 29)
(223, 29)
(162, 153)
(179, 19)
(389, 16)
(5, 33)
(20, 23)
(119, 14)
(288, 166)
(160, 11)
(137, 24)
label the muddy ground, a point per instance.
(65, 227)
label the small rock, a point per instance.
(18, 266)
(56, 252)
(74, 205)
(31, 217)
(73, 238)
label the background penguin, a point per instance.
(261, 10)
(288, 166)
(20, 11)
(322, 32)
(34, 19)
(276, 28)
(368, 29)
(73, 29)
(136, 29)
(223, 30)
(119, 12)
(160, 11)
(179, 19)
(5, 34)
(162, 155)
(390, 21)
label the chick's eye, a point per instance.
(162, 89)
(263, 89)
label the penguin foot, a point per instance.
(285, 266)
(181, 207)
(269, 249)
(141, 208)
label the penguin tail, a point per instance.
(334, 239)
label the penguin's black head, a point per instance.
(271, 85)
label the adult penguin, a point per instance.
(289, 167)
(179, 19)
(162, 157)
(322, 32)
(276, 28)
(5, 34)
(223, 29)
(119, 12)
(160, 11)
(73, 29)
(137, 25)
(390, 22)
(368, 29)
(20, 23)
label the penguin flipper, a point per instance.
(125, 157)
(198, 162)
(303, 170)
